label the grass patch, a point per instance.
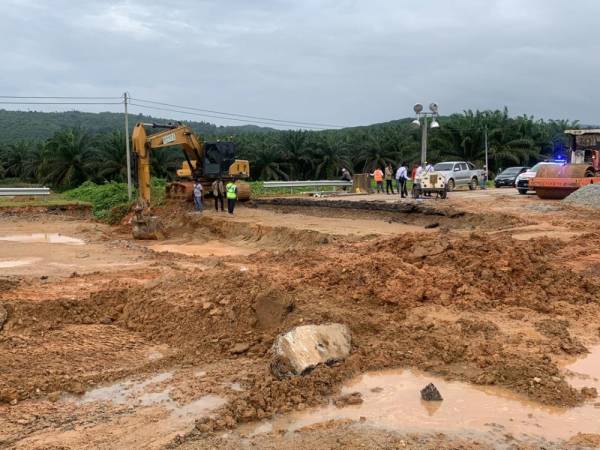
(109, 201)
(51, 200)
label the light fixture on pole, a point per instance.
(424, 115)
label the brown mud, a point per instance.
(468, 303)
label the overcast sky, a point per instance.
(327, 61)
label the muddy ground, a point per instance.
(115, 343)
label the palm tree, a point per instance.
(330, 156)
(66, 158)
(14, 157)
(110, 162)
(270, 165)
(375, 152)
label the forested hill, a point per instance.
(20, 125)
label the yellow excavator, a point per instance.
(204, 162)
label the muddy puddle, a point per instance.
(20, 262)
(152, 392)
(585, 372)
(391, 400)
(46, 238)
(210, 248)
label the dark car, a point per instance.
(508, 176)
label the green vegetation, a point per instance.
(109, 201)
(52, 200)
(103, 198)
(93, 148)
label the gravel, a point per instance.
(587, 196)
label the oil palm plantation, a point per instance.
(67, 157)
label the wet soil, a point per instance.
(154, 344)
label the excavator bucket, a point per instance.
(180, 190)
(146, 227)
(557, 182)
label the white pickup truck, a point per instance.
(459, 173)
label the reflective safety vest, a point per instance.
(231, 191)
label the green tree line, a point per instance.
(74, 155)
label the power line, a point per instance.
(60, 103)
(59, 97)
(294, 122)
(221, 117)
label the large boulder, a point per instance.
(303, 348)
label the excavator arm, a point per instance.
(204, 163)
(143, 144)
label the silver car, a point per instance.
(459, 173)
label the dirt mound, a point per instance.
(586, 196)
(271, 307)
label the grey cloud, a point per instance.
(347, 62)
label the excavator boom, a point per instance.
(203, 162)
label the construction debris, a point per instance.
(587, 196)
(303, 348)
(431, 394)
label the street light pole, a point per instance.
(424, 125)
(424, 141)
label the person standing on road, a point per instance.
(402, 178)
(389, 178)
(418, 172)
(428, 167)
(218, 193)
(197, 194)
(378, 175)
(484, 178)
(346, 176)
(231, 189)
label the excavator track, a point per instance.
(182, 190)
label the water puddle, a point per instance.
(125, 392)
(210, 248)
(47, 238)
(585, 372)
(555, 234)
(147, 393)
(391, 400)
(9, 263)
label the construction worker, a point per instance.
(218, 190)
(197, 194)
(389, 178)
(402, 178)
(378, 175)
(346, 176)
(231, 190)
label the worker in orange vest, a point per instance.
(378, 175)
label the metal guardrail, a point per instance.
(309, 183)
(16, 192)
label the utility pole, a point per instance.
(424, 141)
(487, 167)
(128, 151)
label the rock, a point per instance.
(432, 225)
(431, 394)
(240, 348)
(303, 348)
(355, 398)
(3, 316)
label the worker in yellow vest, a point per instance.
(231, 190)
